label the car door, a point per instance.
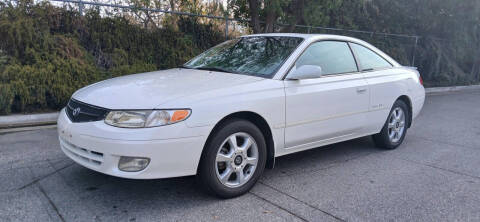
(330, 108)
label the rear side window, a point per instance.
(332, 57)
(368, 59)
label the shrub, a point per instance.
(46, 53)
(6, 98)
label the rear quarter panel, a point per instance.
(386, 86)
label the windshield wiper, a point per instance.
(215, 69)
(184, 67)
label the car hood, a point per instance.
(150, 90)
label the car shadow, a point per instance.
(322, 157)
(107, 195)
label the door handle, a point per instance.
(361, 90)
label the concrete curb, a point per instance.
(14, 121)
(451, 89)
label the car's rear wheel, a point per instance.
(395, 128)
(233, 160)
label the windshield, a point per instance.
(259, 55)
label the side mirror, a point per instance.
(305, 72)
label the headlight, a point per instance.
(146, 118)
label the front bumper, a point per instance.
(174, 150)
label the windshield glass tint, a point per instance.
(259, 56)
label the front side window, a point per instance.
(259, 55)
(368, 59)
(332, 57)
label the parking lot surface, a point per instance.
(433, 176)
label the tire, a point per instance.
(395, 128)
(235, 163)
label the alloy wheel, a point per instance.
(396, 125)
(236, 160)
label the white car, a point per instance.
(226, 114)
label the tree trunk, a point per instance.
(173, 16)
(270, 18)
(149, 20)
(254, 15)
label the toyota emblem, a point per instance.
(76, 111)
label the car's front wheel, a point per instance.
(395, 128)
(233, 160)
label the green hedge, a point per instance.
(46, 52)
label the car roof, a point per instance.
(305, 36)
(309, 38)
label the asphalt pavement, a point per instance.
(433, 176)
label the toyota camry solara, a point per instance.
(228, 113)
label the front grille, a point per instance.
(79, 112)
(85, 156)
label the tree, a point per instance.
(268, 13)
(265, 15)
(254, 15)
(294, 15)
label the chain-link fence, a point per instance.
(400, 46)
(50, 48)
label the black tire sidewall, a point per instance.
(207, 171)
